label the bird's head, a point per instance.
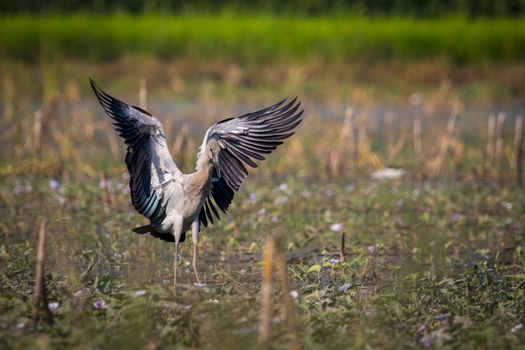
(212, 151)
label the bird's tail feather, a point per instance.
(143, 229)
(168, 237)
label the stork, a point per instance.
(175, 202)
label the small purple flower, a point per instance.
(99, 304)
(329, 193)
(20, 325)
(103, 184)
(456, 217)
(54, 184)
(261, 212)
(199, 285)
(18, 189)
(368, 312)
(53, 306)
(344, 287)
(22, 189)
(274, 219)
(283, 187)
(336, 227)
(427, 341)
(516, 328)
(60, 199)
(334, 262)
(371, 249)
(294, 294)
(252, 197)
(139, 293)
(421, 328)
(443, 318)
(119, 187)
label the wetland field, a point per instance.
(413, 154)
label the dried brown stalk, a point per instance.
(417, 146)
(37, 136)
(273, 253)
(490, 141)
(40, 285)
(266, 297)
(518, 149)
(437, 163)
(287, 298)
(143, 93)
(499, 142)
(342, 253)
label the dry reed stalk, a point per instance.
(355, 144)
(342, 253)
(37, 131)
(491, 130)
(272, 253)
(365, 154)
(499, 142)
(40, 294)
(287, 298)
(347, 131)
(109, 200)
(9, 96)
(180, 145)
(417, 146)
(518, 149)
(266, 292)
(68, 151)
(395, 149)
(388, 131)
(113, 144)
(437, 163)
(143, 93)
(346, 144)
(335, 164)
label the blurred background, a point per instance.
(433, 88)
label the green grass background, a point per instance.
(262, 38)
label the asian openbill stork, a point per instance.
(175, 202)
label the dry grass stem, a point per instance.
(40, 293)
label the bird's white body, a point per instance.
(186, 195)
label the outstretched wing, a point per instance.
(243, 141)
(148, 159)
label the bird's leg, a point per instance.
(175, 264)
(195, 236)
(177, 232)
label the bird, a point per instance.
(175, 202)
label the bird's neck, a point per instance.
(203, 170)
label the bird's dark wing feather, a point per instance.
(148, 159)
(243, 141)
